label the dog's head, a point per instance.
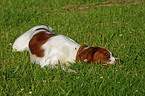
(96, 54)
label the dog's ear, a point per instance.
(87, 55)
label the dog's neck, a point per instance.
(80, 50)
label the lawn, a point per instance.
(118, 25)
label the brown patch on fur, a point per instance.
(100, 56)
(37, 41)
(93, 55)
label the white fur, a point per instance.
(112, 59)
(58, 49)
(21, 43)
(62, 49)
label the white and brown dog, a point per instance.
(47, 48)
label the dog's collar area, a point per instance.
(80, 50)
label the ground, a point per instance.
(117, 25)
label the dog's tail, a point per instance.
(21, 43)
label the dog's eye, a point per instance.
(105, 54)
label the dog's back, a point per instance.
(22, 42)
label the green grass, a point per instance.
(95, 23)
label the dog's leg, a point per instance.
(65, 69)
(52, 62)
(62, 67)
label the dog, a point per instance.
(47, 48)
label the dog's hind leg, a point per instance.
(65, 69)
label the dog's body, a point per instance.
(47, 48)
(62, 49)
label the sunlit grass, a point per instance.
(117, 26)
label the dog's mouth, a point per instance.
(116, 61)
(105, 64)
(111, 62)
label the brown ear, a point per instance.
(87, 55)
